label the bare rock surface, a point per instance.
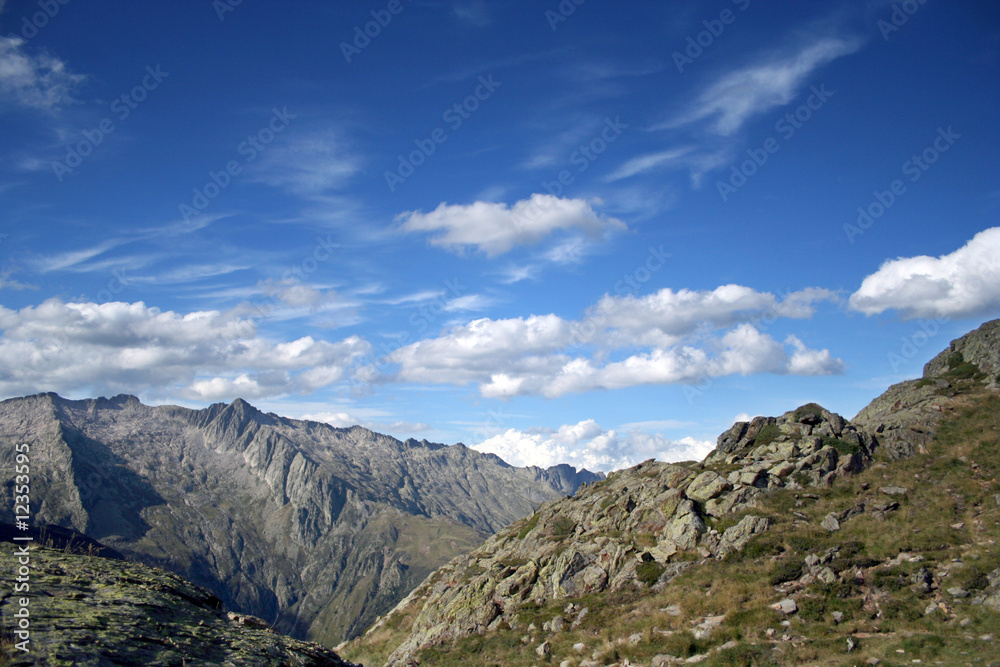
(314, 529)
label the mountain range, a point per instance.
(315, 529)
(800, 539)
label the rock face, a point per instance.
(980, 348)
(640, 527)
(312, 528)
(905, 417)
(99, 611)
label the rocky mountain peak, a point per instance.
(314, 528)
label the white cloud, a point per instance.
(587, 445)
(34, 81)
(473, 12)
(129, 347)
(70, 260)
(496, 228)
(964, 283)
(644, 163)
(811, 362)
(365, 420)
(515, 274)
(308, 165)
(469, 302)
(755, 89)
(547, 355)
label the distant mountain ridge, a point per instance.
(314, 528)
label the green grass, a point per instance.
(807, 410)
(562, 527)
(529, 525)
(953, 483)
(649, 572)
(842, 446)
(768, 434)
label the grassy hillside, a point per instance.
(903, 578)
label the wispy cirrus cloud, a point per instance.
(749, 91)
(648, 162)
(36, 81)
(472, 12)
(312, 164)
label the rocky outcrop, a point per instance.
(981, 348)
(639, 528)
(905, 417)
(315, 529)
(88, 610)
(643, 526)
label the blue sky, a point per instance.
(582, 232)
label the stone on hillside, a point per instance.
(736, 537)
(894, 490)
(786, 606)
(826, 576)
(704, 629)
(782, 470)
(684, 529)
(544, 650)
(706, 486)
(830, 522)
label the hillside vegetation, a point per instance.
(800, 540)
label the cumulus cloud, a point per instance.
(38, 81)
(587, 445)
(684, 337)
(964, 283)
(739, 95)
(129, 347)
(496, 228)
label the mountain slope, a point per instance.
(91, 610)
(313, 528)
(623, 568)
